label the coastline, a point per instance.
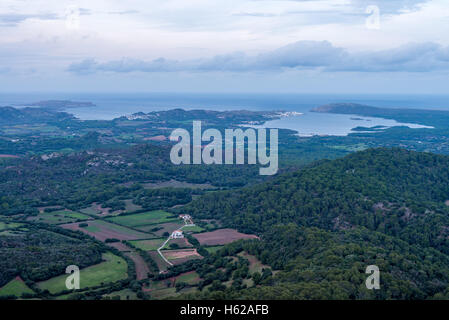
(311, 124)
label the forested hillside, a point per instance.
(10, 115)
(78, 179)
(321, 226)
(387, 190)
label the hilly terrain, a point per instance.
(107, 190)
(321, 226)
(10, 115)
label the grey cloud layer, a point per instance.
(386, 6)
(302, 55)
(390, 6)
(12, 19)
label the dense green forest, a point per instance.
(385, 190)
(321, 226)
(312, 263)
(79, 179)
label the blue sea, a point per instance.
(113, 105)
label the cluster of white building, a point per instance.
(186, 217)
(177, 234)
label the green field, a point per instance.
(59, 217)
(164, 227)
(15, 287)
(170, 292)
(254, 264)
(9, 225)
(11, 232)
(113, 269)
(146, 218)
(161, 284)
(90, 210)
(91, 228)
(125, 294)
(213, 249)
(31, 129)
(98, 226)
(181, 244)
(130, 206)
(351, 148)
(148, 245)
(189, 278)
(163, 293)
(173, 254)
(193, 229)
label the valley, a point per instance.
(109, 200)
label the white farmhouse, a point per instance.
(187, 218)
(177, 234)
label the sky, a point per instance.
(300, 46)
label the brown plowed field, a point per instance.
(221, 236)
(102, 230)
(181, 256)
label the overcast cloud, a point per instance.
(425, 57)
(65, 42)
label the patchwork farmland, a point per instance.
(60, 217)
(149, 245)
(144, 219)
(141, 246)
(113, 269)
(191, 277)
(160, 229)
(102, 230)
(16, 287)
(178, 243)
(181, 256)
